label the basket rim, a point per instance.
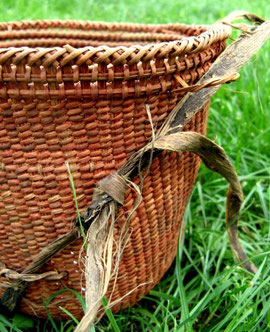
(116, 55)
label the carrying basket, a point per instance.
(75, 93)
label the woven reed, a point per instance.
(86, 106)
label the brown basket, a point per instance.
(84, 103)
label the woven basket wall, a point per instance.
(85, 104)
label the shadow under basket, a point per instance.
(76, 92)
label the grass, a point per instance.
(205, 290)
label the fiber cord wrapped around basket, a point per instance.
(223, 70)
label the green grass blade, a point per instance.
(110, 315)
(70, 315)
(71, 180)
(50, 316)
(185, 316)
(3, 328)
(7, 323)
(78, 295)
(242, 301)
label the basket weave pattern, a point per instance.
(86, 106)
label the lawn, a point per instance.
(206, 290)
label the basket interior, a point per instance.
(80, 34)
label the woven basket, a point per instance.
(65, 97)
